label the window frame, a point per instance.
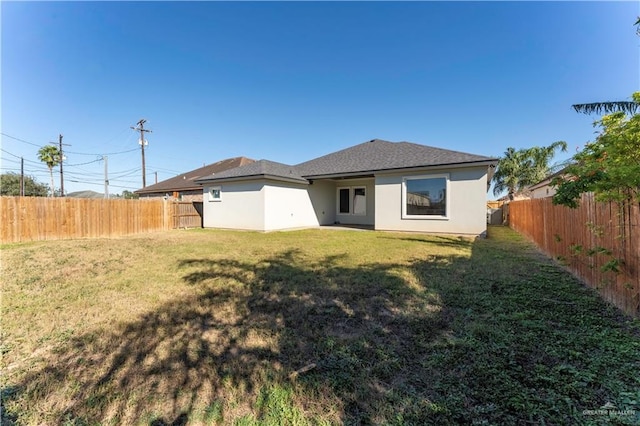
(212, 197)
(351, 198)
(447, 214)
(339, 200)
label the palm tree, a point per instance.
(628, 107)
(518, 169)
(508, 173)
(539, 159)
(50, 155)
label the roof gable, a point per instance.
(378, 155)
(366, 158)
(186, 181)
(259, 169)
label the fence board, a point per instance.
(38, 218)
(556, 229)
(186, 215)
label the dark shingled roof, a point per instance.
(366, 158)
(259, 169)
(186, 181)
(378, 155)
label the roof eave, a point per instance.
(184, 188)
(205, 181)
(370, 173)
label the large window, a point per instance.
(352, 200)
(425, 197)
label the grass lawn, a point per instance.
(210, 327)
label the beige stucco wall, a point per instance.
(241, 206)
(323, 198)
(543, 192)
(264, 205)
(287, 206)
(467, 203)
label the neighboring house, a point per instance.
(544, 188)
(183, 187)
(85, 194)
(397, 186)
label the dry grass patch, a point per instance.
(206, 327)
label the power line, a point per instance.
(18, 156)
(161, 169)
(84, 164)
(68, 152)
(106, 153)
(99, 184)
(21, 140)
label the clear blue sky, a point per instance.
(290, 81)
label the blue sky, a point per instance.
(290, 81)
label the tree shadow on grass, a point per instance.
(530, 344)
(461, 242)
(502, 336)
(227, 349)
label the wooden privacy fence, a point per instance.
(38, 218)
(186, 214)
(598, 242)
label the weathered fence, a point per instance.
(598, 242)
(187, 214)
(38, 218)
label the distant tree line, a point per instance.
(10, 185)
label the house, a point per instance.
(183, 187)
(85, 194)
(545, 188)
(397, 186)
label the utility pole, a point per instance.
(156, 177)
(142, 143)
(21, 176)
(61, 161)
(106, 176)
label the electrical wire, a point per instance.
(21, 140)
(106, 153)
(74, 172)
(83, 164)
(18, 156)
(71, 152)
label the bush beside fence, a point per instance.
(598, 242)
(38, 218)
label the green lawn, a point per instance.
(207, 327)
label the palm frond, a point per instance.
(628, 107)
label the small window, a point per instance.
(359, 201)
(425, 197)
(343, 200)
(215, 193)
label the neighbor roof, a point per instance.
(259, 169)
(186, 181)
(363, 159)
(547, 180)
(378, 155)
